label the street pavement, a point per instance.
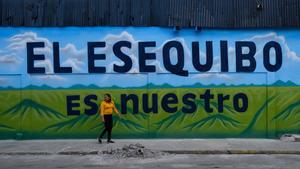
(178, 153)
(173, 161)
(178, 146)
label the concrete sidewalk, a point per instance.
(177, 146)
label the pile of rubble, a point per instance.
(133, 151)
(290, 137)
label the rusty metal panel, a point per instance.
(75, 12)
(52, 10)
(184, 13)
(12, 12)
(33, 12)
(160, 13)
(140, 12)
(120, 12)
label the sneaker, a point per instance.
(109, 141)
(99, 140)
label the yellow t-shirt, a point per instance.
(107, 108)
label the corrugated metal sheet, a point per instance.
(185, 13)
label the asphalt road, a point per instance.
(166, 162)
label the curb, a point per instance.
(79, 153)
(25, 153)
(203, 152)
(215, 152)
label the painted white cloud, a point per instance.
(272, 36)
(3, 81)
(51, 78)
(266, 37)
(111, 39)
(70, 56)
(70, 49)
(74, 63)
(212, 76)
(9, 81)
(47, 64)
(10, 59)
(74, 57)
(133, 53)
(18, 42)
(159, 68)
(187, 55)
(260, 41)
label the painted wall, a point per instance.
(167, 83)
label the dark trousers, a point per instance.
(108, 124)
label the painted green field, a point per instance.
(33, 114)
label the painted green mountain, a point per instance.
(271, 112)
(287, 120)
(289, 112)
(5, 127)
(129, 125)
(210, 121)
(75, 124)
(29, 115)
(149, 86)
(45, 87)
(282, 83)
(30, 107)
(249, 131)
(176, 118)
(84, 126)
(180, 118)
(8, 88)
(7, 132)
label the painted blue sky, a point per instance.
(73, 51)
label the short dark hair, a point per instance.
(107, 94)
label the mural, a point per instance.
(167, 83)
